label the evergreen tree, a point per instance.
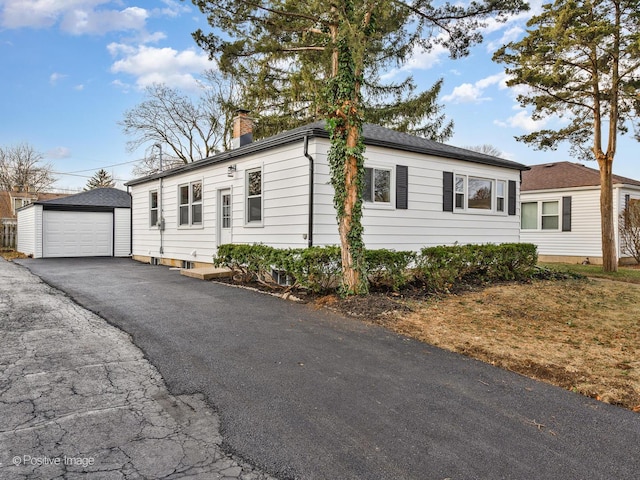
(100, 179)
(581, 61)
(325, 60)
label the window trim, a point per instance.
(464, 194)
(373, 204)
(151, 208)
(539, 215)
(247, 222)
(504, 196)
(190, 203)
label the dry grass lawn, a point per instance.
(583, 335)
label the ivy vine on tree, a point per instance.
(318, 57)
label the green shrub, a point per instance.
(440, 268)
(249, 262)
(319, 269)
(388, 268)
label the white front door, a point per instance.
(224, 216)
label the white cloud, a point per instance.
(511, 34)
(79, 87)
(58, 153)
(465, 93)
(523, 121)
(174, 8)
(74, 16)
(55, 76)
(473, 93)
(98, 22)
(420, 60)
(159, 65)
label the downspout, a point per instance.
(160, 203)
(130, 224)
(311, 168)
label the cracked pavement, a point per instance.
(79, 400)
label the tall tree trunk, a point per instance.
(609, 249)
(350, 272)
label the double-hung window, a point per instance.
(540, 215)
(190, 204)
(153, 208)
(501, 191)
(377, 185)
(254, 196)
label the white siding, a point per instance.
(26, 242)
(30, 231)
(121, 232)
(285, 198)
(584, 239)
(285, 176)
(423, 223)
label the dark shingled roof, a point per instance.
(374, 135)
(98, 197)
(565, 175)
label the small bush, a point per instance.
(388, 269)
(317, 268)
(440, 268)
(250, 262)
(630, 229)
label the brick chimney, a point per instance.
(242, 129)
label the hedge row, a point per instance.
(435, 269)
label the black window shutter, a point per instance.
(447, 189)
(566, 214)
(511, 209)
(627, 197)
(402, 187)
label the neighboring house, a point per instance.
(92, 223)
(560, 210)
(10, 201)
(277, 192)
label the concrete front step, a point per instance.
(206, 273)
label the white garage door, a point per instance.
(77, 234)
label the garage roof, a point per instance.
(98, 197)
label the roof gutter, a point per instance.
(311, 171)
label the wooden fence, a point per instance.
(8, 231)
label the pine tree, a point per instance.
(325, 60)
(581, 61)
(101, 179)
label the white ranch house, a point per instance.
(560, 209)
(277, 192)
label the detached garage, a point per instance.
(96, 223)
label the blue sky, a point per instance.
(71, 68)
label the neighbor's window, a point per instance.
(540, 215)
(550, 217)
(501, 188)
(479, 193)
(254, 195)
(529, 216)
(153, 209)
(190, 204)
(377, 185)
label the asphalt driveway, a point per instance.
(309, 395)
